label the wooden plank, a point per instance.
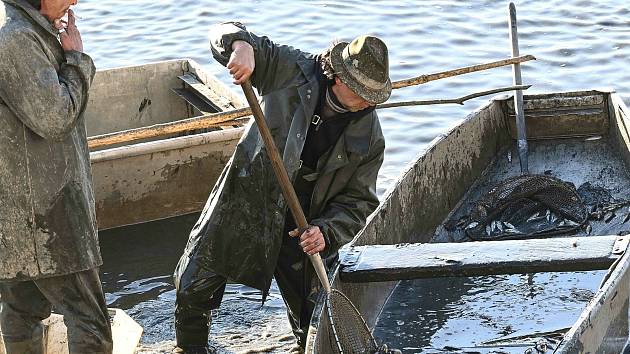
(125, 332)
(553, 116)
(430, 260)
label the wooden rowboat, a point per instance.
(162, 177)
(575, 136)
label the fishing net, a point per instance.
(527, 206)
(350, 333)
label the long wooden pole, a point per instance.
(423, 79)
(283, 178)
(225, 118)
(152, 131)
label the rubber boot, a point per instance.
(33, 346)
(191, 333)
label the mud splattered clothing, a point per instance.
(241, 233)
(47, 218)
(77, 295)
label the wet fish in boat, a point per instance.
(472, 225)
(534, 217)
(569, 222)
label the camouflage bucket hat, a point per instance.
(363, 65)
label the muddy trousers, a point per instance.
(77, 296)
(200, 290)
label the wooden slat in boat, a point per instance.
(575, 136)
(430, 260)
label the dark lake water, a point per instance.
(579, 45)
(484, 314)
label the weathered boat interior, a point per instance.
(160, 177)
(578, 137)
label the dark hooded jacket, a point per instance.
(47, 219)
(240, 231)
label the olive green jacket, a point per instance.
(239, 233)
(47, 218)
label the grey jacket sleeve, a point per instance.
(346, 213)
(276, 65)
(46, 101)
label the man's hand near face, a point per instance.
(70, 37)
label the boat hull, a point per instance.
(459, 166)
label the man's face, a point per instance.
(348, 98)
(55, 9)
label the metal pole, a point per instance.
(518, 96)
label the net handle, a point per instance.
(283, 178)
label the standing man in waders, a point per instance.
(49, 254)
(320, 110)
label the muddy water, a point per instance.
(579, 45)
(137, 276)
(505, 314)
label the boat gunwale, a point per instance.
(607, 291)
(162, 145)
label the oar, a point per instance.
(231, 117)
(339, 307)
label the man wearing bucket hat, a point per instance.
(320, 109)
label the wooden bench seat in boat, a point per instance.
(374, 263)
